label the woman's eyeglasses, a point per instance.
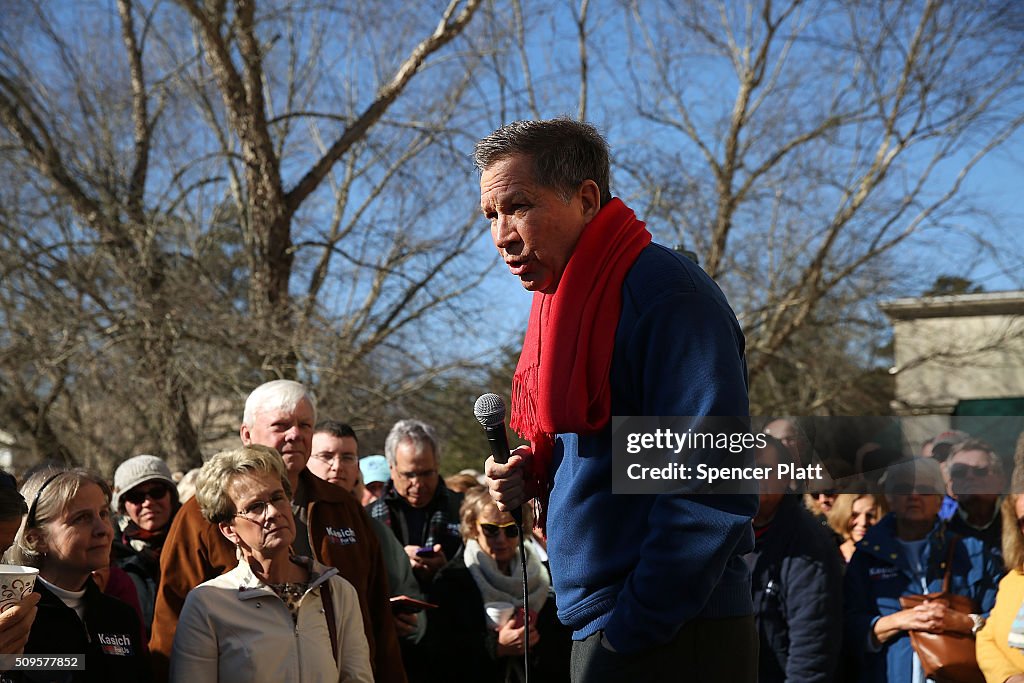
(137, 495)
(492, 530)
(257, 510)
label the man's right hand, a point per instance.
(506, 483)
(16, 623)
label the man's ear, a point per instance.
(229, 532)
(590, 199)
(245, 435)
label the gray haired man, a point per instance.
(421, 511)
(654, 586)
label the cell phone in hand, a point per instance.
(403, 603)
(426, 551)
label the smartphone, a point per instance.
(426, 551)
(403, 603)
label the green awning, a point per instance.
(999, 421)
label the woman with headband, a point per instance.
(67, 535)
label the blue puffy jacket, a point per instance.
(880, 573)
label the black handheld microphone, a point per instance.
(489, 410)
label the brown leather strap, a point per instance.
(328, 603)
(949, 564)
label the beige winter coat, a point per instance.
(234, 628)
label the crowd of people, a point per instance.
(274, 569)
(838, 575)
(271, 569)
(290, 558)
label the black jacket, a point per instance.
(442, 518)
(110, 640)
(464, 647)
(991, 536)
(796, 581)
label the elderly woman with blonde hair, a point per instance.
(275, 616)
(908, 553)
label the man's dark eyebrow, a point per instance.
(517, 196)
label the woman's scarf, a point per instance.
(496, 586)
(139, 539)
(561, 383)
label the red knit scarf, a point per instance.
(561, 384)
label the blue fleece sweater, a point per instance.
(640, 566)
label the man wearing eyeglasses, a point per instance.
(331, 527)
(976, 481)
(335, 459)
(421, 511)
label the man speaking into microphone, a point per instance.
(653, 586)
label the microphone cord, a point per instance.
(526, 605)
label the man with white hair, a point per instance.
(331, 527)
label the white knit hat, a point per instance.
(138, 470)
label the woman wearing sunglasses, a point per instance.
(468, 644)
(146, 500)
(66, 535)
(908, 553)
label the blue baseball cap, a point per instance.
(374, 468)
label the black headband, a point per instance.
(30, 522)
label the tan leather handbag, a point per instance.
(947, 657)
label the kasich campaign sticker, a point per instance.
(343, 536)
(115, 644)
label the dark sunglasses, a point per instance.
(492, 530)
(960, 471)
(136, 496)
(826, 492)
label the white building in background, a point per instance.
(6, 455)
(959, 363)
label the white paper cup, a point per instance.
(499, 613)
(15, 583)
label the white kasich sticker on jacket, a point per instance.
(343, 536)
